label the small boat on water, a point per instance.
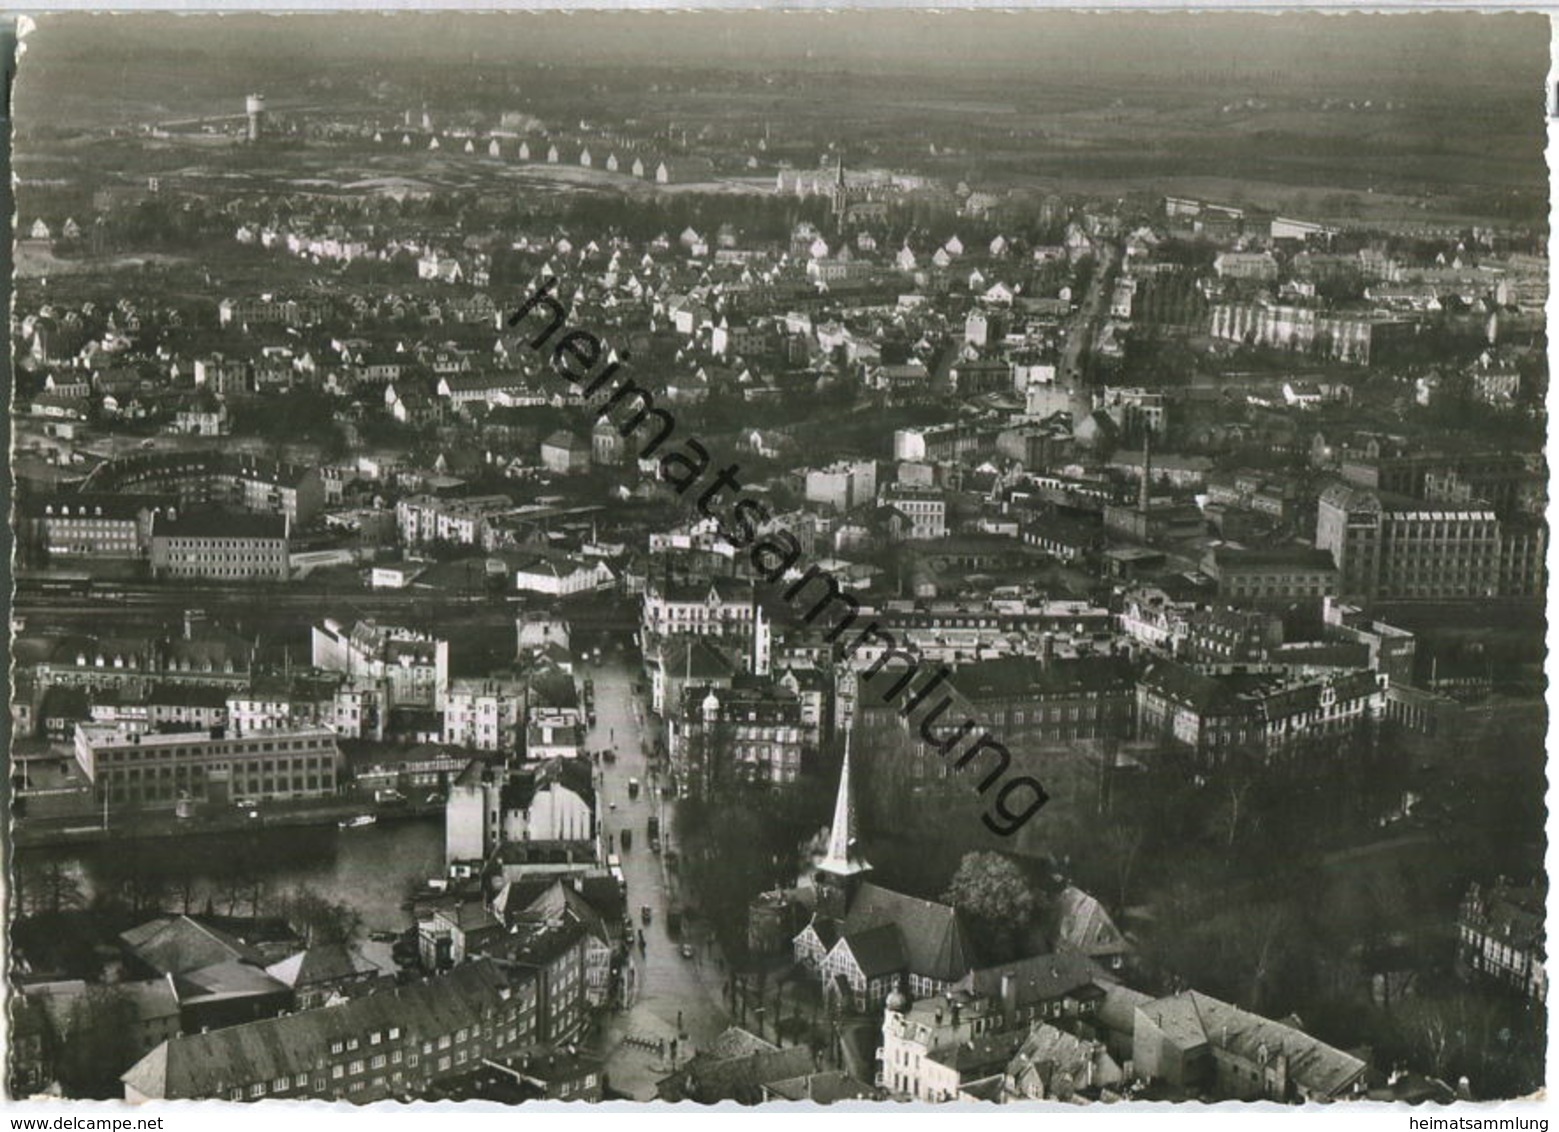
(357, 822)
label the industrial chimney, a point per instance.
(1147, 471)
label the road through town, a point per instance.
(663, 986)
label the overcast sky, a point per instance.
(1440, 49)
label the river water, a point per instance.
(370, 868)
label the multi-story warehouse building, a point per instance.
(1388, 546)
(553, 801)
(157, 770)
(1523, 553)
(843, 485)
(220, 547)
(1494, 479)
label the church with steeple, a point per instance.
(854, 206)
(865, 941)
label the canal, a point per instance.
(371, 868)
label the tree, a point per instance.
(995, 895)
(97, 1044)
(47, 889)
(1120, 849)
(321, 921)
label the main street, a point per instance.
(1088, 320)
(663, 986)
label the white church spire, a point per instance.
(844, 855)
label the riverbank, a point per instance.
(64, 833)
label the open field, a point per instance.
(1405, 128)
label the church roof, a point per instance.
(937, 945)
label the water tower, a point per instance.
(254, 107)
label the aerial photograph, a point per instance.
(768, 557)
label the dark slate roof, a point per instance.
(736, 1079)
(91, 504)
(172, 945)
(1039, 978)
(220, 524)
(1191, 1019)
(208, 1064)
(61, 702)
(572, 774)
(1185, 685)
(827, 1087)
(1013, 677)
(596, 902)
(536, 944)
(937, 945)
(325, 963)
(982, 1055)
(878, 950)
(1275, 558)
(225, 981)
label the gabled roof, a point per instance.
(936, 943)
(682, 656)
(737, 1078)
(1005, 677)
(210, 1063)
(982, 1055)
(224, 981)
(1039, 978)
(734, 1041)
(877, 951)
(1191, 1019)
(561, 899)
(471, 916)
(827, 1087)
(325, 963)
(1085, 927)
(172, 945)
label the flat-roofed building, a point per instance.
(157, 770)
(1387, 546)
(220, 547)
(925, 508)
